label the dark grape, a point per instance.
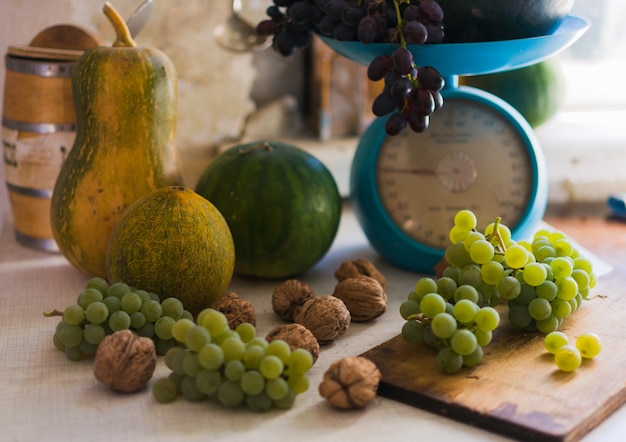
(395, 124)
(430, 78)
(367, 30)
(423, 101)
(284, 43)
(435, 34)
(378, 67)
(274, 12)
(415, 32)
(352, 15)
(431, 11)
(300, 12)
(327, 25)
(401, 88)
(384, 104)
(402, 61)
(335, 8)
(411, 12)
(417, 122)
(437, 99)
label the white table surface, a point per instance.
(47, 397)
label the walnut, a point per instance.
(124, 361)
(289, 296)
(350, 269)
(236, 309)
(326, 316)
(297, 336)
(364, 296)
(351, 382)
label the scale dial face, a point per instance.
(470, 157)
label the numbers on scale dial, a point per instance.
(471, 157)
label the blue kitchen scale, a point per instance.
(478, 153)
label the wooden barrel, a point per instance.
(38, 131)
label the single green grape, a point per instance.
(252, 382)
(276, 388)
(503, 230)
(298, 382)
(509, 288)
(444, 325)
(446, 287)
(463, 342)
(589, 345)
(562, 267)
(535, 274)
(567, 358)
(196, 337)
(97, 312)
(548, 325)
(180, 328)
(457, 234)
(137, 320)
(163, 327)
(286, 402)
(131, 302)
(539, 309)
(432, 304)
(271, 366)
(547, 290)
(246, 331)
(567, 288)
(413, 331)
(165, 390)
(119, 320)
(492, 272)
(211, 356)
(88, 296)
(471, 238)
(113, 304)
(118, 289)
(69, 335)
(425, 285)
(465, 311)
(73, 314)
(457, 256)
(516, 257)
(152, 310)
(230, 393)
(172, 307)
(481, 251)
(215, 322)
(98, 283)
(94, 333)
(409, 308)
(518, 316)
(191, 365)
(208, 381)
(465, 219)
(467, 292)
(300, 361)
(563, 247)
(233, 348)
(470, 275)
(473, 358)
(487, 319)
(253, 356)
(449, 361)
(279, 348)
(234, 370)
(554, 341)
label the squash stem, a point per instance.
(122, 33)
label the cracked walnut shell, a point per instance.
(297, 336)
(124, 361)
(351, 382)
(236, 309)
(289, 296)
(327, 317)
(364, 296)
(352, 269)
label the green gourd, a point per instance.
(125, 98)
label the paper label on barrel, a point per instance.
(34, 161)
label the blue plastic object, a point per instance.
(388, 237)
(473, 58)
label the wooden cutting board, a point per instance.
(517, 391)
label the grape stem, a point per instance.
(496, 233)
(53, 313)
(396, 5)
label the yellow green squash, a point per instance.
(125, 99)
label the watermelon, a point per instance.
(282, 206)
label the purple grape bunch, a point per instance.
(411, 93)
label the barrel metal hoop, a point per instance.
(38, 67)
(37, 193)
(38, 128)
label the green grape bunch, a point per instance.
(102, 309)
(233, 367)
(541, 282)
